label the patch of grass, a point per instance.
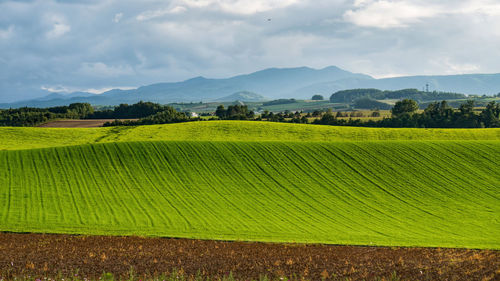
(393, 193)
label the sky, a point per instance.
(96, 45)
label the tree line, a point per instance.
(234, 112)
(349, 96)
(147, 112)
(404, 114)
(436, 115)
(31, 116)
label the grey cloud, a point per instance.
(100, 44)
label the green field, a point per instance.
(29, 137)
(219, 180)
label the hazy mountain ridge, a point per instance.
(244, 96)
(300, 82)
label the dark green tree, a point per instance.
(317, 97)
(220, 112)
(405, 107)
(490, 116)
(82, 110)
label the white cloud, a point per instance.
(479, 7)
(389, 14)
(118, 17)
(401, 13)
(244, 7)
(105, 89)
(56, 89)
(7, 33)
(99, 69)
(448, 66)
(66, 89)
(58, 26)
(148, 15)
(58, 30)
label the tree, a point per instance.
(490, 116)
(81, 109)
(220, 111)
(316, 113)
(467, 109)
(405, 107)
(317, 97)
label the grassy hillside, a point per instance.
(26, 138)
(405, 193)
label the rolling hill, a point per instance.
(29, 137)
(220, 180)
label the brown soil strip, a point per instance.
(88, 123)
(48, 255)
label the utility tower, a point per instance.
(427, 87)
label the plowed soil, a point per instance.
(49, 255)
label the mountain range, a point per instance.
(272, 83)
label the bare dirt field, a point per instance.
(47, 255)
(88, 123)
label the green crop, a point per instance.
(27, 138)
(392, 193)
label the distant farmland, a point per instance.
(220, 180)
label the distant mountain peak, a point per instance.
(195, 79)
(244, 96)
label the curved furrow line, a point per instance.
(376, 203)
(458, 189)
(257, 173)
(390, 163)
(367, 224)
(167, 191)
(363, 199)
(154, 180)
(487, 166)
(74, 187)
(335, 153)
(335, 176)
(144, 199)
(456, 203)
(369, 179)
(183, 170)
(470, 178)
(297, 203)
(258, 187)
(93, 176)
(131, 185)
(7, 194)
(181, 184)
(211, 180)
(139, 158)
(103, 177)
(313, 173)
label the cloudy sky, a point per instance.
(95, 45)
